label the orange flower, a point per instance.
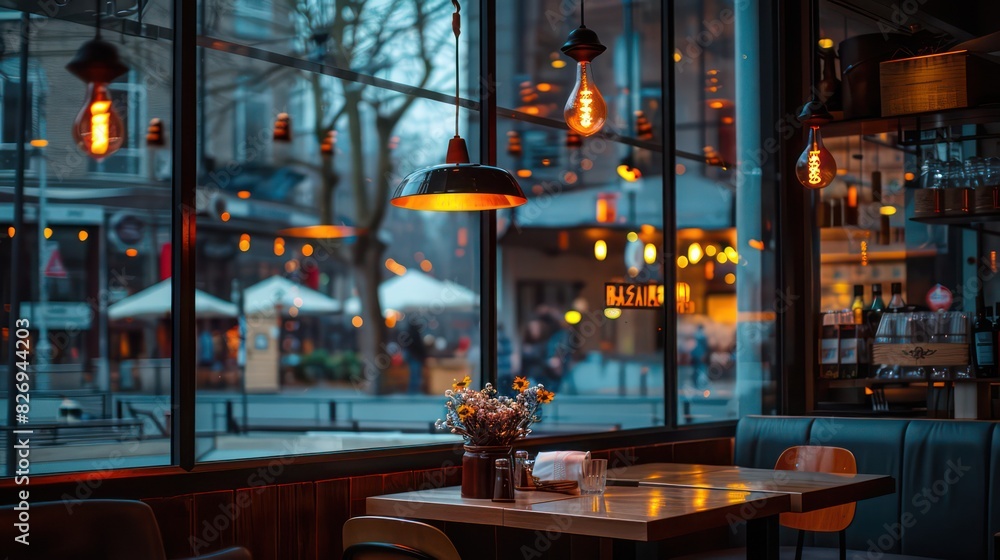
(520, 383)
(465, 411)
(463, 384)
(545, 397)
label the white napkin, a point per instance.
(560, 465)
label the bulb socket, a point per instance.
(814, 112)
(582, 45)
(458, 152)
(96, 61)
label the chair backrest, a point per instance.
(107, 529)
(816, 458)
(385, 538)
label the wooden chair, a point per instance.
(388, 538)
(814, 458)
(106, 529)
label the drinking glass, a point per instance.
(932, 174)
(992, 171)
(975, 171)
(594, 476)
(955, 174)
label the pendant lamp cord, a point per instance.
(456, 26)
(582, 21)
(97, 17)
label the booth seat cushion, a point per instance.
(945, 488)
(995, 495)
(760, 440)
(877, 445)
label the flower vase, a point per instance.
(479, 471)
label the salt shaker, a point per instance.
(503, 487)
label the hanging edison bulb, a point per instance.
(816, 167)
(98, 129)
(585, 110)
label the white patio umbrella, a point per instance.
(265, 295)
(416, 290)
(154, 302)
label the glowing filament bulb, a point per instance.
(98, 129)
(649, 253)
(816, 167)
(99, 119)
(585, 110)
(600, 249)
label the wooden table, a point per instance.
(656, 471)
(808, 490)
(637, 513)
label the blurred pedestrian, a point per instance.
(505, 367)
(415, 354)
(700, 356)
(534, 350)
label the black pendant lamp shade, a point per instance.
(97, 61)
(457, 185)
(582, 45)
(814, 111)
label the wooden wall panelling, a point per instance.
(297, 521)
(361, 488)
(717, 451)
(398, 482)
(663, 453)
(256, 526)
(623, 457)
(174, 517)
(333, 509)
(213, 522)
(305, 520)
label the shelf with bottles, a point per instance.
(873, 126)
(862, 382)
(937, 345)
(987, 221)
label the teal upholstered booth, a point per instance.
(947, 472)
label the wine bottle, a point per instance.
(984, 346)
(896, 303)
(874, 319)
(849, 356)
(829, 349)
(858, 305)
(876, 309)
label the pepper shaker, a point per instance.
(520, 473)
(503, 486)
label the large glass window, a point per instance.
(726, 297)
(585, 224)
(93, 239)
(337, 342)
(309, 114)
